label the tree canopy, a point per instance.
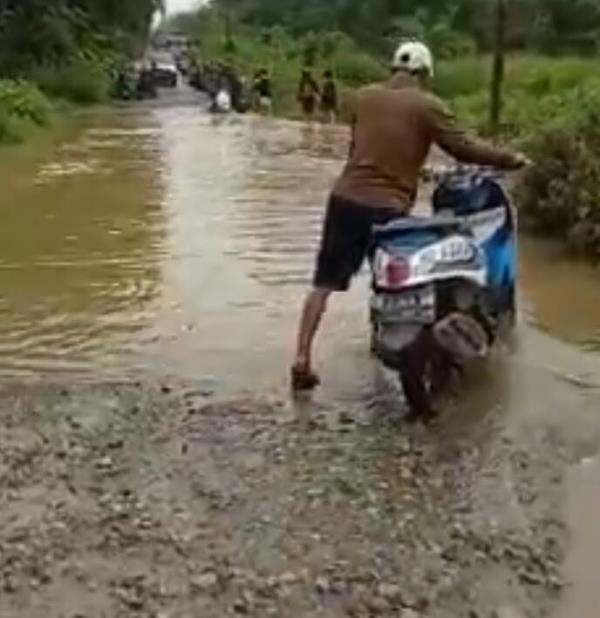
(33, 32)
(543, 25)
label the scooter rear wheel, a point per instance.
(424, 372)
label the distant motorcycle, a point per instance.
(221, 103)
(443, 286)
(146, 87)
(124, 86)
(165, 74)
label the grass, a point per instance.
(539, 91)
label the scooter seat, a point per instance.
(439, 225)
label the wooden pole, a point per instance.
(228, 27)
(498, 67)
(227, 13)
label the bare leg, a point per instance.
(312, 313)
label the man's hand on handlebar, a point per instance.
(522, 161)
(430, 173)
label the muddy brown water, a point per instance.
(159, 241)
(162, 239)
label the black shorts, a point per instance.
(308, 104)
(345, 241)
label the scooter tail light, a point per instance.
(392, 271)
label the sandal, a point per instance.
(304, 379)
(427, 417)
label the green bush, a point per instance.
(24, 100)
(12, 128)
(81, 80)
(332, 42)
(354, 68)
(22, 105)
(460, 78)
(560, 194)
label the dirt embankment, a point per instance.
(129, 501)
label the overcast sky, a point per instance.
(173, 6)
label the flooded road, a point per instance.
(162, 240)
(165, 240)
(161, 245)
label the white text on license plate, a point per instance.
(418, 305)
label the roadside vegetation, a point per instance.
(22, 105)
(560, 195)
(65, 50)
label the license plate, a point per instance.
(409, 306)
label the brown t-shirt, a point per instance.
(394, 127)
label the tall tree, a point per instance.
(42, 31)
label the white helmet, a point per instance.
(223, 101)
(413, 56)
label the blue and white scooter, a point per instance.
(443, 286)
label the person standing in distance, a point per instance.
(329, 97)
(308, 93)
(394, 126)
(262, 92)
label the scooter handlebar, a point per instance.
(436, 173)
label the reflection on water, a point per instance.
(80, 244)
(562, 293)
(165, 240)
